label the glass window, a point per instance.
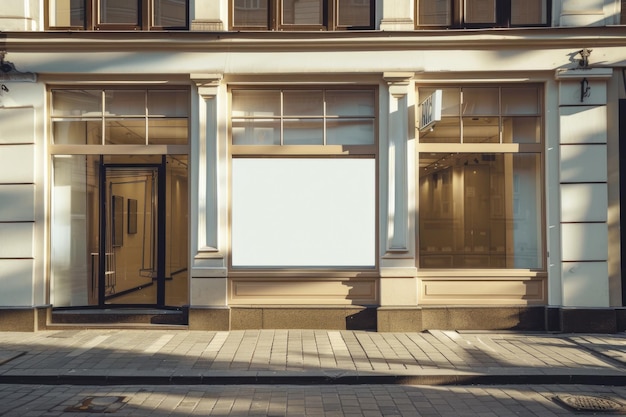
(120, 117)
(122, 12)
(482, 209)
(486, 115)
(118, 14)
(303, 117)
(170, 13)
(482, 13)
(302, 14)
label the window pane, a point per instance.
(350, 132)
(302, 12)
(303, 132)
(256, 132)
(447, 130)
(528, 12)
(119, 12)
(256, 103)
(354, 13)
(125, 132)
(520, 101)
(250, 13)
(303, 103)
(521, 130)
(77, 132)
(170, 13)
(67, 13)
(125, 103)
(168, 103)
(481, 129)
(480, 101)
(479, 211)
(480, 11)
(434, 13)
(76, 103)
(167, 131)
(350, 103)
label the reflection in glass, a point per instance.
(480, 211)
(119, 12)
(354, 13)
(302, 12)
(170, 13)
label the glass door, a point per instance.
(119, 231)
(130, 261)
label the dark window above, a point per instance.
(118, 14)
(302, 14)
(432, 14)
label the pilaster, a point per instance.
(398, 283)
(208, 273)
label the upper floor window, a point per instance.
(302, 14)
(118, 14)
(482, 13)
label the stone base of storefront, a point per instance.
(381, 319)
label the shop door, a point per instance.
(131, 259)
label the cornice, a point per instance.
(193, 41)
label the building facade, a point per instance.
(396, 165)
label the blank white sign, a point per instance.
(297, 212)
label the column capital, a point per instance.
(207, 83)
(398, 82)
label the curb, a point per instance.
(432, 380)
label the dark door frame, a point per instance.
(622, 192)
(160, 236)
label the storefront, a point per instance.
(390, 180)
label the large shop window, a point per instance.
(480, 179)
(302, 14)
(303, 178)
(482, 13)
(118, 14)
(119, 165)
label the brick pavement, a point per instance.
(125, 356)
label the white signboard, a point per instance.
(303, 212)
(431, 110)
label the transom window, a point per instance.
(303, 117)
(120, 117)
(480, 178)
(302, 14)
(482, 13)
(118, 14)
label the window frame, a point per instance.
(498, 148)
(108, 148)
(312, 149)
(457, 16)
(330, 13)
(145, 18)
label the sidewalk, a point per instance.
(158, 357)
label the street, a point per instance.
(299, 400)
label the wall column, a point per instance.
(583, 187)
(208, 279)
(398, 282)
